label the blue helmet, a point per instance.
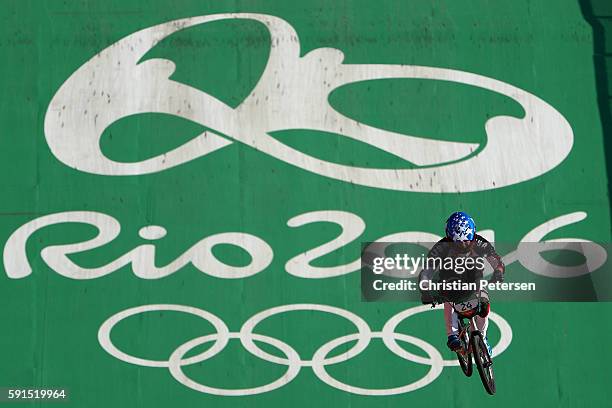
(460, 227)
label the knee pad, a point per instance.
(485, 308)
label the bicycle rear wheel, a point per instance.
(484, 363)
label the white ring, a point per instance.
(107, 344)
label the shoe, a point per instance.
(453, 342)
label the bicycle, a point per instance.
(473, 345)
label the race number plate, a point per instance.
(465, 306)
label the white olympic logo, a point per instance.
(292, 359)
(293, 93)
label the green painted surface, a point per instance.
(50, 323)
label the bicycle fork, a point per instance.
(488, 361)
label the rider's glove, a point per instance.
(426, 298)
(498, 276)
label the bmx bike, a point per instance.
(473, 346)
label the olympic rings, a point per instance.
(292, 359)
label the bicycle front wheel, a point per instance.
(484, 363)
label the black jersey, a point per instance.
(448, 260)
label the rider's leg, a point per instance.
(482, 323)
(482, 320)
(452, 327)
(451, 319)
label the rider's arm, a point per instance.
(494, 260)
(428, 272)
(426, 297)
